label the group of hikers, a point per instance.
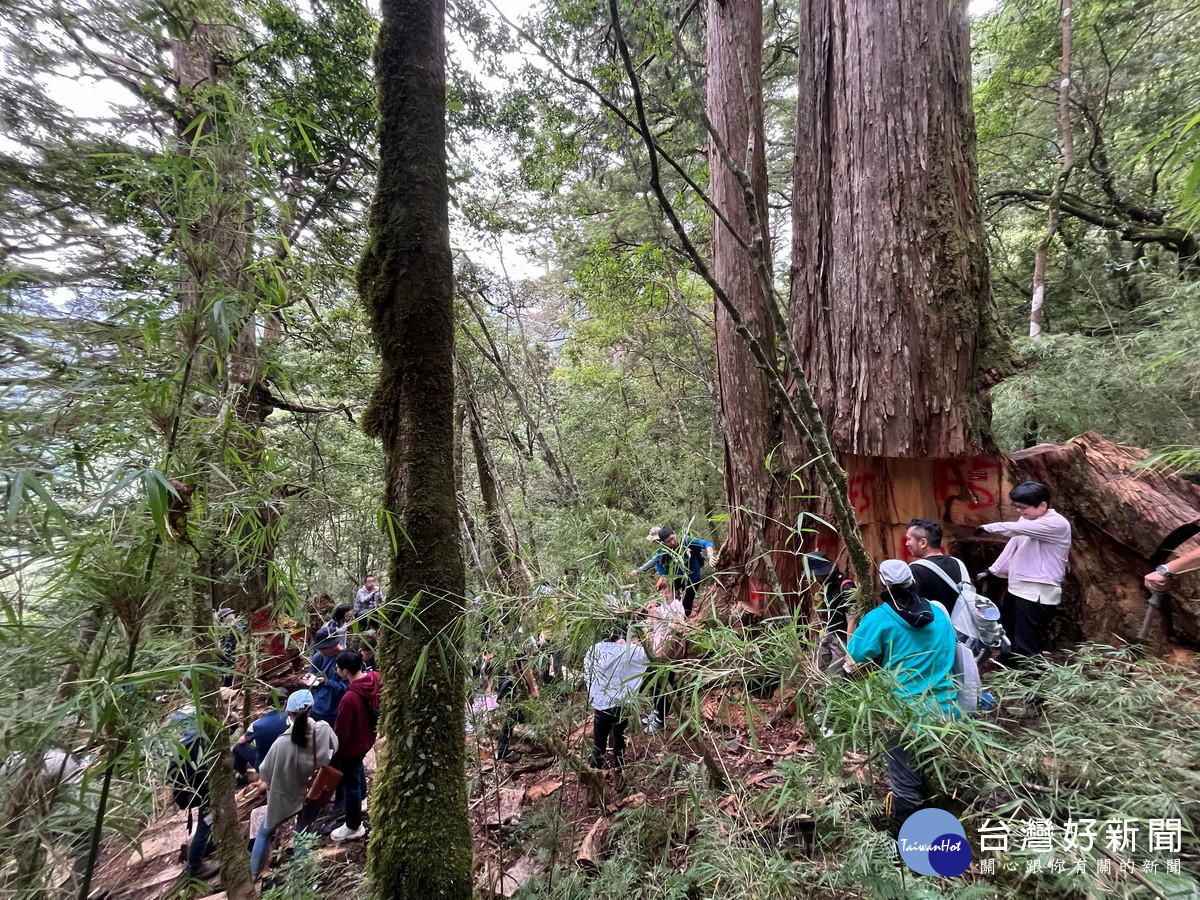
(309, 750)
(912, 633)
(932, 624)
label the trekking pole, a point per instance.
(1162, 553)
(1156, 601)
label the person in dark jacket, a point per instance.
(837, 590)
(326, 684)
(252, 747)
(231, 630)
(355, 730)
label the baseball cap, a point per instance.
(818, 564)
(324, 638)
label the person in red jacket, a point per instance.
(357, 716)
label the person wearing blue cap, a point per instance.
(306, 746)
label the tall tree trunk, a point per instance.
(421, 845)
(760, 450)
(890, 303)
(214, 243)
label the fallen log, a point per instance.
(1121, 512)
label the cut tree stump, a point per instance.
(1119, 509)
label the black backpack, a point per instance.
(188, 773)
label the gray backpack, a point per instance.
(976, 618)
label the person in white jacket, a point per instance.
(1035, 562)
(614, 671)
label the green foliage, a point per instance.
(1100, 736)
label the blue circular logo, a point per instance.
(933, 842)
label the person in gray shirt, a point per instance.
(368, 599)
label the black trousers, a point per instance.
(1026, 623)
(660, 689)
(245, 756)
(906, 782)
(685, 590)
(607, 722)
(508, 699)
(353, 785)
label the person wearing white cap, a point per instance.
(916, 643)
(306, 746)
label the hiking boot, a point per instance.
(512, 757)
(208, 870)
(655, 725)
(345, 834)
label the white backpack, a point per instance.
(967, 682)
(975, 618)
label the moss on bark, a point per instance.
(421, 843)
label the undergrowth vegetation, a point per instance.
(1096, 734)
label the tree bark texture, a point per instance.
(761, 451)
(890, 303)
(215, 251)
(421, 844)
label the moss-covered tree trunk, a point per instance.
(421, 843)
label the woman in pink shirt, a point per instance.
(1035, 562)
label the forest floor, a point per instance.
(505, 801)
(550, 813)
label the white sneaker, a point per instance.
(655, 725)
(342, 833)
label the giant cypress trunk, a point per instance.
(420, 845)
(762, 499)
(890, 306)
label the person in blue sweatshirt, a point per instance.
(679, 558)
(915, 642)
(326, 684)
(251, 748)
